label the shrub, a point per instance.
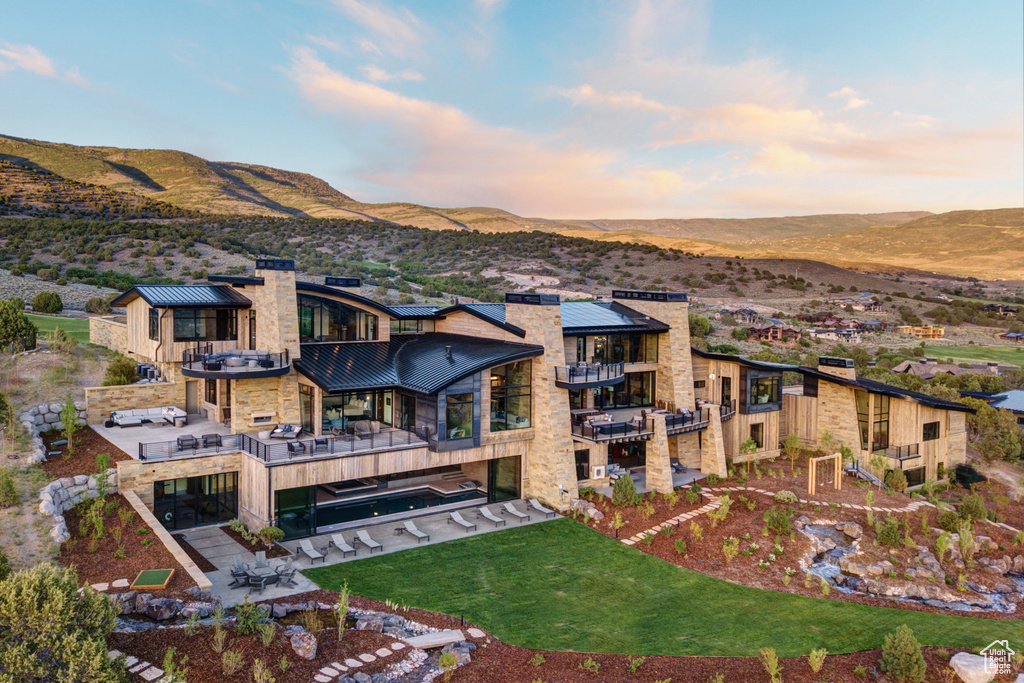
(973, 507)
(447, 663)
(120, 371)
(730, 546)
(624, 492)
(98, 305)
(948, 520)
(8, 493)
(271, 535)
(680, 546)
(786, 498)
(901, 656)
(231, 662)
(888, 531)
(777, 519)
(247, 617)
(47, 302)
(635, 663)
(590, 665)
(816, 659)
(53, 632)
(770, 662)
(896, 480)
(15, 327)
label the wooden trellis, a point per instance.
(812, 472)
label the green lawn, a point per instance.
(1011, 355)
(562, 586)
(75, 327)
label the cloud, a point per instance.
(780, 158)
(378, 75)
(853, 99)
(436, 153)
(325, 42)
(398, 28)
(29, 58)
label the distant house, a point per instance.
(1017, 337)
(775, 331)
(922, 331)
(1012, 400)
(876, 326)
(1000, 309)
(927, 368)
(850, 336)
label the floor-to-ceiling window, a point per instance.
(295, 511)
(510, 396)
(636, 392)
(306, 407)
(194, 501)
(626, 348)
(340, 411)
(863, 418)
(459, 416)
(323, 319)
(503, 479)
(880, 431)
(205, 324)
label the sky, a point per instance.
(552, 108)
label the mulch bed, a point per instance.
(705, 554)
(87, 445)
(141, 551)
(204, 564)
(273, 551)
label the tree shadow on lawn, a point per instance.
(563, 586)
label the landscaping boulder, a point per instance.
(162, 609)
(304, 645)
(970, 668)
(125, 601)
(395, 632)
(800, 522)
(279, 611)
(850, 529)
(1018, 564)
(370, 623)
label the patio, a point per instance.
(639, 475)
(129, 438)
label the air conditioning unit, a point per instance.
(598, 472)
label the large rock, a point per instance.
(850, 529)
(162, 609)
(370, 623)
(970, 668)
(1018, 564)
(304, 645)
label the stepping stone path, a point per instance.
(103, 587)
(150, 673)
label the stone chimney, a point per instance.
(348, 283)
(277, 315)
(840, 367)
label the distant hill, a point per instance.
(979, 243)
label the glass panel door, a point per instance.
(503, 479)
(296, 511)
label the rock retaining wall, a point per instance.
(65, 493)
(43, 418)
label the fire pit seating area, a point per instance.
(237, 359)
(170, 415)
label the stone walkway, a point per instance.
(149, 672)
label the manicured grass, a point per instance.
(562, 586)
(77, 328)
(1010, 355)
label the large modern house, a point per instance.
(310, 407)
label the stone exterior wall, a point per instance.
(837, 413)
(712, 455)
(61, 495)
(277, 312)
(43, 418)
(109, 333)
(277, 395)
(550, 460)
(138, 476)
(675, 369)
(102, 401)
(658, 471)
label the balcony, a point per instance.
(236, 364)
(728, 410)
(589, 375)
(273, 451)
(637, 429)
(683, 423)
(901, 453)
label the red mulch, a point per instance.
(273, 551)
(87, 445)
(100, 565)
(705, 555)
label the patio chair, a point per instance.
(490, 516)
(535, 504)
(186, 443)
(239, 576)
(295, 447)
(211, 440)
(261, 559)
(511, 509)
(364, 538)
(257, 584)
(309, 551)
(420, 536)
(286, 571)
(338, 541)
(320, 444)
(460, 520)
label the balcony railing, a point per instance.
(613, 431)
(901, 453)
(589, 375)
(680, 423)
(202, 362)
(283, 451)
(728, 410)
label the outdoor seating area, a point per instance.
(169, 415)
(260, 573)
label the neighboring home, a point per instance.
(922, 331)
(1012, 400)
(1017, 337)
(1001, 309)
(742, 316)
(927, 368)
(775, 331)
(876, 325)
(864, 303)
(820, 319)
(851, 336)
(306, 406)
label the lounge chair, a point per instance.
(309, 551)
(535, 504)
(458, 519)
(488, 515)
(211, 440)
(339, 542)
(511, 509)
(364, 538)
(420, 536)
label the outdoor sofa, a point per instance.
(130, 418)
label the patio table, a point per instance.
(265, 572)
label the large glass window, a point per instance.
(880, 433)
(764, 390)
(205, 324)
(636, 392)
(459, 416)
(211, 391)
(341, 411)
(328, 320)
(915, 476)
(411, 326)
(194, 501)
(863, 417)
(930, 432)
(510, 396)
(626, 348)
(306, 407)
(757, 434)
(154, 324)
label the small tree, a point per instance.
(624, 492)
(69, 420)
(8, 494)
(15, 327)
(341, 611)
(901, 656)
(47, 302)
(877, 463)
(828, 443)
(791, 447)
(748, 447)
(896, 480)
(98, 305)
(271, 535)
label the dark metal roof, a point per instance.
(886, 390)
(236, 279)
(418, 363)
(342, 294)
(597, 317)
(492, 313)
(415, 310)
(756, 364)
(185, 296)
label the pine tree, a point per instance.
(901, 656)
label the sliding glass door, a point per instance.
(196, 501)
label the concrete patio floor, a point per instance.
(129, 438)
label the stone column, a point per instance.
(712, 455)
(551, 461)
(675, 368)
(659, 457)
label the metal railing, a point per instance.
(587, 372)
(901, 453)
(283, 451)
(609, 431)
(233, 361)
(728, 410)
(680, 423)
